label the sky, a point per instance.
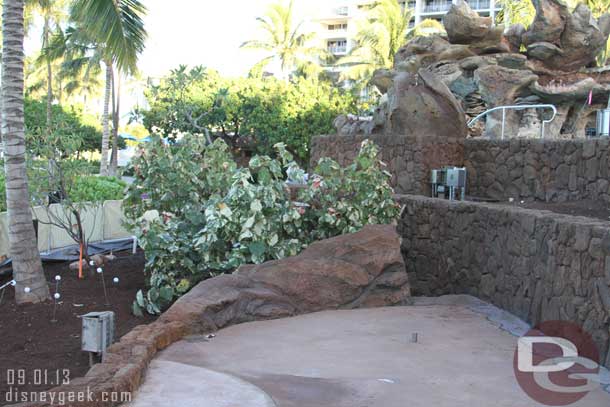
(199, 32)
(209, 33)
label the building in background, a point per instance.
(336, 27)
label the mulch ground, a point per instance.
(38, 352)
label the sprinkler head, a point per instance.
(57, 296)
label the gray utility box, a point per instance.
(98, 331)
(456, 177)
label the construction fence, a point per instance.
(101, 223)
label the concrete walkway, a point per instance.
(357, 358)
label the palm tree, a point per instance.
(516, 12)
(53, 13)
(116, 29)
(384, 31)
(27, 267)
(283, 40)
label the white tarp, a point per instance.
(101, 222)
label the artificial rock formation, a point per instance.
(440, 82)
(363, 269)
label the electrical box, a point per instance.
(456, 177)
(98, 331)
(449, 183)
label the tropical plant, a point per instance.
(71, 122)
(381, 34)
(27, 267)
(53, 13)
(252, 113)
(197, 214)
(115, 30)
(516, 12)
(284, 40)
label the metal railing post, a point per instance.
(517, 107)
(503, 122)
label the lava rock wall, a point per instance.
(539, 265)
(538, 170)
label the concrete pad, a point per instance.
(171, 383)
(355, 358)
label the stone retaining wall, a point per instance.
(543, 170)
(538, 265)
(523, 169)
(409, 158)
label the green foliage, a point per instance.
(284, 39)
(345, 199)
(70, 123)
(97, 189)
(256, 112)
(381, 34)
(196, 214)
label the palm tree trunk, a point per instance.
(27, 267)
(116, 97)
(106, 121)
(49, 78)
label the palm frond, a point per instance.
(117, 24)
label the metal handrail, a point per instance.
(517, 107)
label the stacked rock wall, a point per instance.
(539, 265)
(408, 158)
(541, 170)
(522, 169)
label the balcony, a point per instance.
(341, 11)
(338, 50)
(479, 4)
(434, 7)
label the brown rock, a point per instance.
(514, 37)
(421, 104)
(500, 86)
(549, 23)
(362, 269)
(464, 25)
(565, 41)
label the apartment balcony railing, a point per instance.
(342, 11)
(437, 7)
(337, 50)
(444, 6)
(479, 4)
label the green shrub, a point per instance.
(97, 189)
(214, 216)
(265, 111)
(82, 188)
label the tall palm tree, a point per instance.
(117, 30)
(53, 13)
(283, 40)
(27, 267)
(380, 36)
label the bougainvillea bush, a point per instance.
(197, 214)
